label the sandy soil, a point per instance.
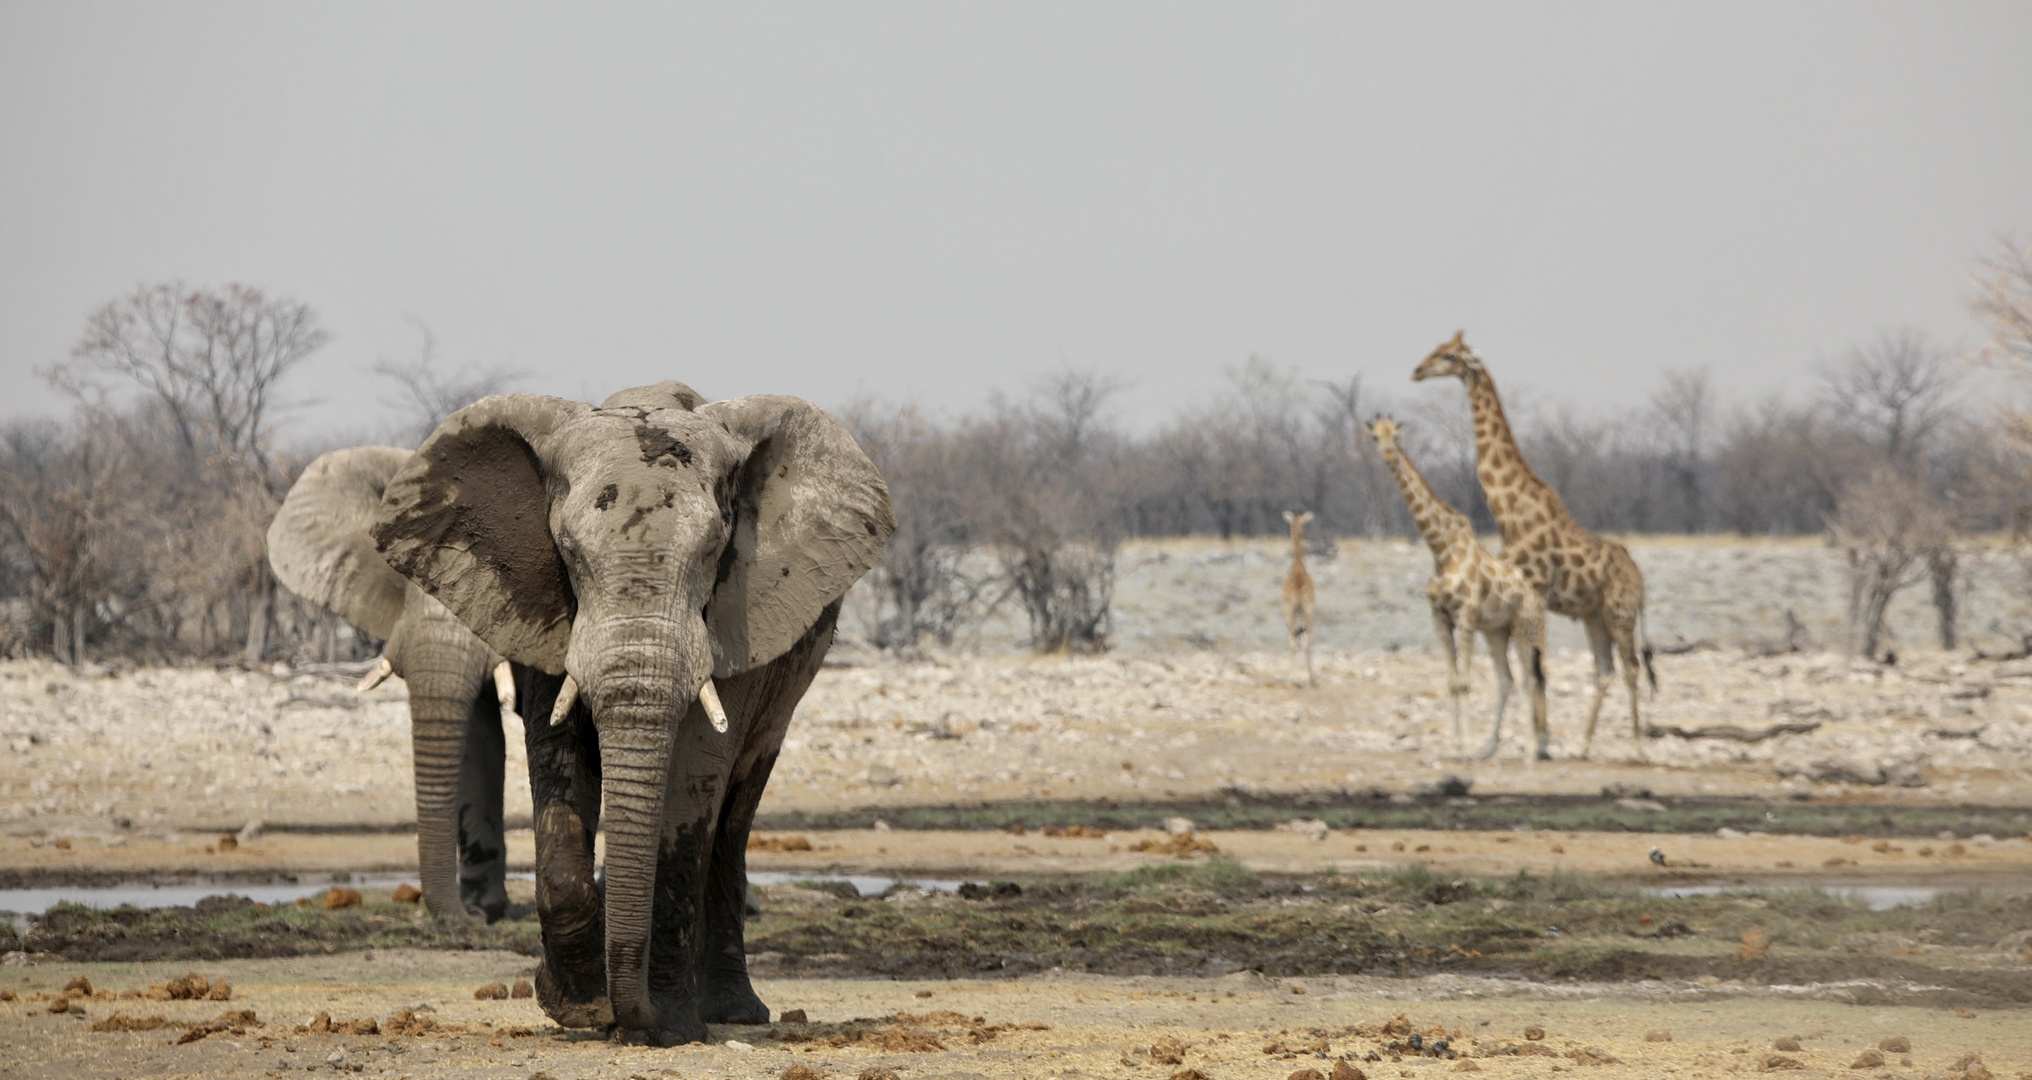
(1051, 1026)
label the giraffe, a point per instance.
(1583, 576)
(1297, 596)
(1472, 591)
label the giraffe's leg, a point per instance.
(1311, 677)
(1605, 666)
(1624, 628)
(1456, 665)
(1499, 656)
(1529, 632)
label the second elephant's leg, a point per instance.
(483, 851)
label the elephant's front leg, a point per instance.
(483, 850)
(564, 786)
(726, 996)
(766, 700)
(700, 765)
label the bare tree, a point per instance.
(2004, 301)
(1889, 527)
(921, 586)
(211, 357)
(1897, 391)
(57, 501)
(1042, 489)
(1680, 414)
(429, 394)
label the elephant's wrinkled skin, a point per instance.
(320, 550)
(629, 554)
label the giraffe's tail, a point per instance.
(1644, 649)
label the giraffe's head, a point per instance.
(1451, 360)
(1384, 430)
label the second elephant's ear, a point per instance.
(318, 542)
(811, 515)
(469, 520)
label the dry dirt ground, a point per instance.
(1235, 1026)
(136, 772)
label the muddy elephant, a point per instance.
(669, 573)
(321, 551)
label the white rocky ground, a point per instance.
(1198, 696)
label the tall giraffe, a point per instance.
(1583, 576)
(1296, 598)
(1470, 591)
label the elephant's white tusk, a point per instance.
(504, 685)
(709, 697)
(376, 675)
(566, 695)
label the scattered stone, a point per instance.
(1776, 1062)
(757, 842)
(1727, 833)
(79, 986)
(1896, 1044)
(522, 989)
(800, 1072)
(1786, 1043)
(1868, 1059)
(6, 995)
(1534, 1033)
(1968, 1060)
(1167, 1051)
(1589, 1055)
(408, 1022)
(338, 896)
(1312, 829)
(1344, 1071)
(1178, 826)
(1657, 1036)
(60, 1005)
(736, 1044)
(406, 893)
(793, 1016)
(1307, 1074)
(491, 992)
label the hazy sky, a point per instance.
(928, 201)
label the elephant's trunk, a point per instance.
(635, 742)
(443, 678)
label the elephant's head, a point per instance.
(639, 548)
(321, 551)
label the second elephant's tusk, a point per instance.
(709, 698)
(376, 675)
(566, 696)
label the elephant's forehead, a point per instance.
(633, 439)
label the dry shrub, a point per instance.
(406, 893)
(1076, 832)
(339, 896)
(1589, 1055)
(238, 1021)
(491, 992)
(124, 1022)
(1754, 946)
(406, 1022)
(757, 842)
(1167, 1051)
(1183, 845)
(522, 989)
(1776, 1062)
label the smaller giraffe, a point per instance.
(1297, 596)
(1471, 592)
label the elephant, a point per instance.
(666, 573)
(320, 550)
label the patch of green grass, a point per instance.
(1220, 875)
(231, 926)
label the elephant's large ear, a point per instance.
(319, 546)
(811, 515)
(468, 519)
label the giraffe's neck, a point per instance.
(1442, 526)
(1516, 495)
